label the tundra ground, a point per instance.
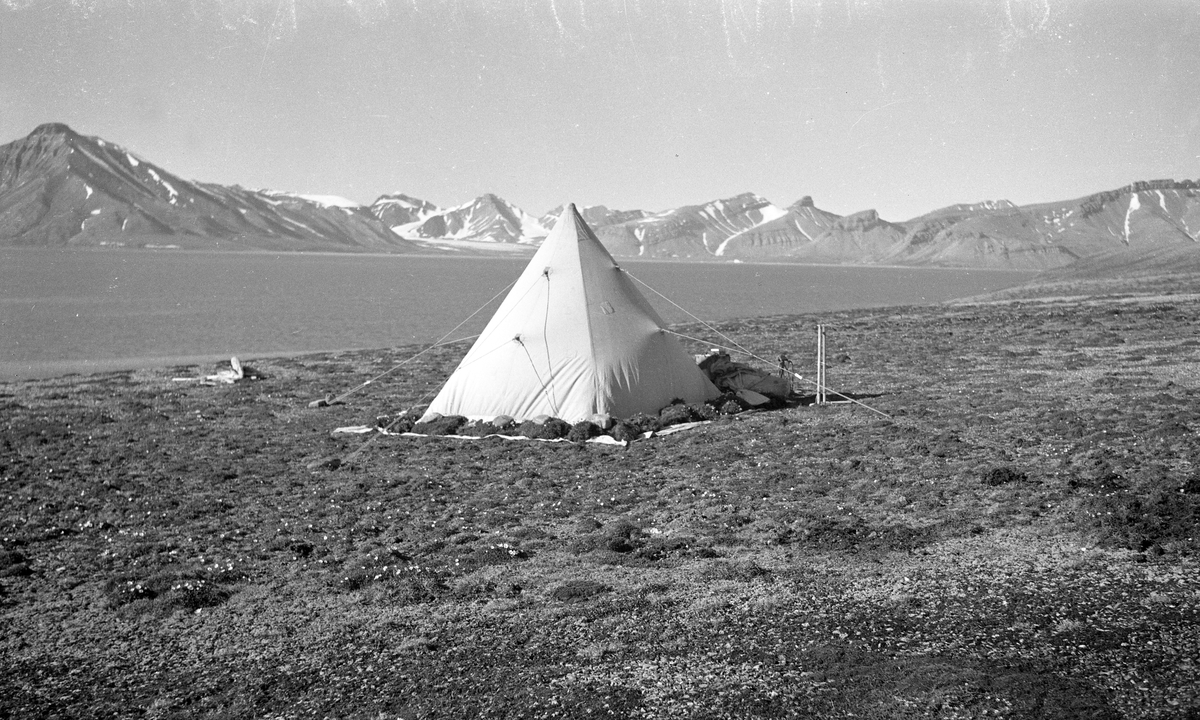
(1016, 537)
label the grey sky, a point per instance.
(902, 107)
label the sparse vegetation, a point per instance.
(1016, 539)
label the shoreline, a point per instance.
(518, 252)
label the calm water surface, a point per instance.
(82, 310)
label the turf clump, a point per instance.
(169, 590)
(440, 425)
(643, 423)
(1141, 517)
(731, 407)
(579, 590)
(624, 431)
(14, 564)
(403, 584)
(676, 414)
(738, 571)
(583, 431)
(545, 429)
(1002, 476)
(479, 428)
(401, 423)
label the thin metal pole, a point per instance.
(821, 365)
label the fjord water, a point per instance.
(65, 311)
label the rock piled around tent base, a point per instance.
(551, 428)
(440, 425)
(547, 429)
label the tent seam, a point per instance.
(587, 319)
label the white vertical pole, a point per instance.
(820, 364)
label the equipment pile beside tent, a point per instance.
(751, 385)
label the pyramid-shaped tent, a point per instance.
(574, 337)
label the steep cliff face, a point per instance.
(788, 235)
(60, 188)
(860, 237)
(694, 231)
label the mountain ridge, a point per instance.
(59, 188)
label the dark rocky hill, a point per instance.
(60, 188)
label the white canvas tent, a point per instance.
(574, 337)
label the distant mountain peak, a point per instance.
(53, 128)
(399, 198)
(488, 219)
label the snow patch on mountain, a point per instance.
(174, 195)
(769, 213)
(331, 201)
(1134, 204)
(281, 197)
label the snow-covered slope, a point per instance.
(694, 231)
(783, 236)
(398, 209)
(487, 218)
